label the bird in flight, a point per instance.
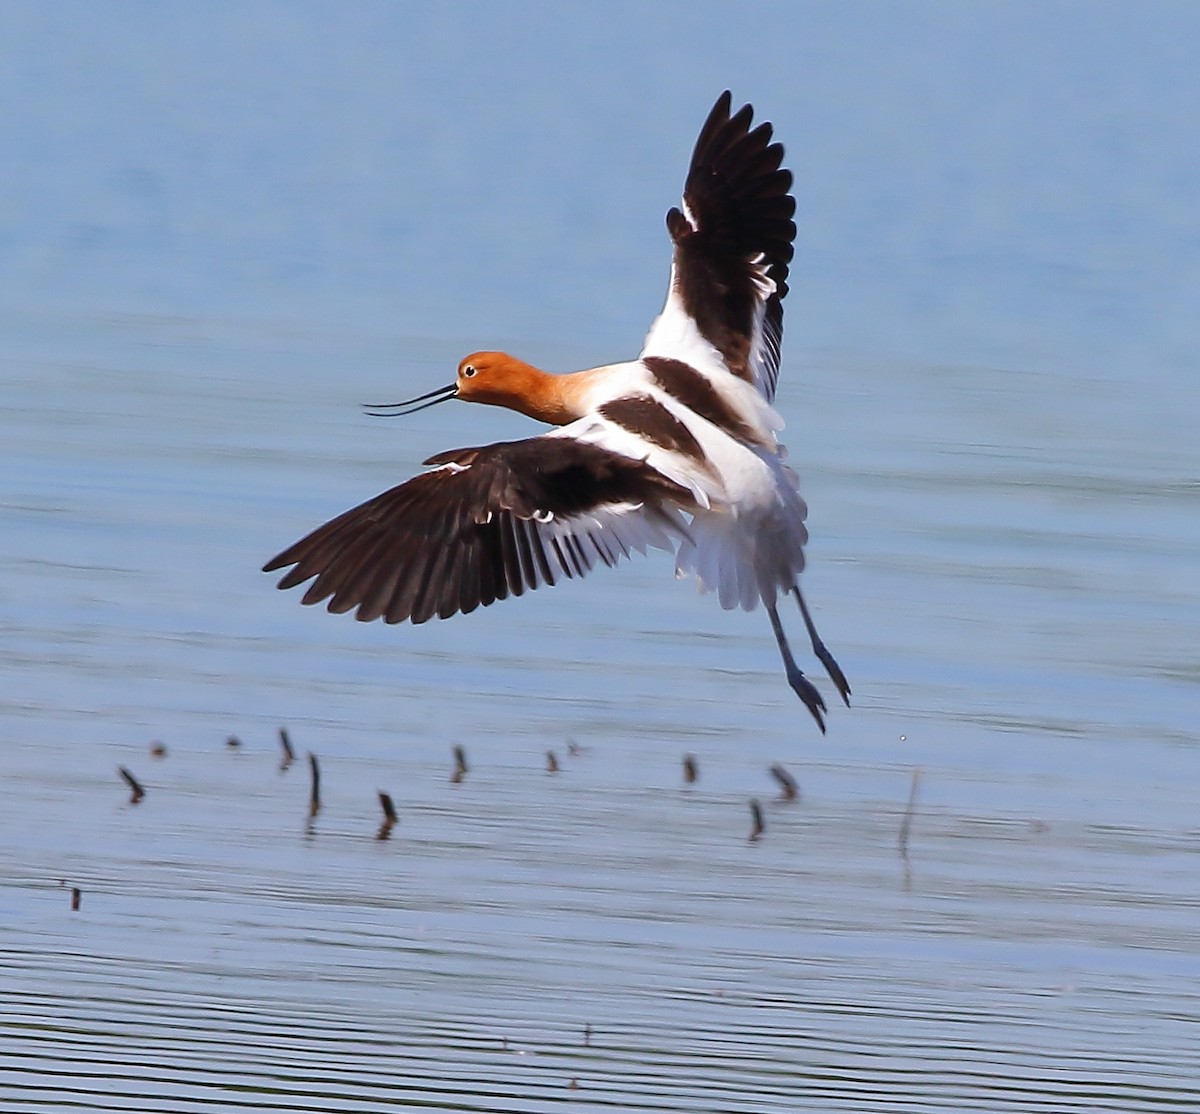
(677, 449)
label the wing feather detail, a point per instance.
(733, 242)
(484, 524)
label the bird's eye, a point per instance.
(468, 371)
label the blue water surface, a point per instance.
(225, 226)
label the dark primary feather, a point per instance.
(739, 198)
(512, 516)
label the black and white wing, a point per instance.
(733, 243)
(486, 523)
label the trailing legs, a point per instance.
(801, 685)
(823, 655)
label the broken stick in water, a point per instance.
(460, 765)
(906, 823)
(314, 796)
(289, 755)
(389, 816)
(757, 815)
(137, 791)
(788, 789)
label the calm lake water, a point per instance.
(226, 227)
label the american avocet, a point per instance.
(676, 449)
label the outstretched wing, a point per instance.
(486, 523)
(733, 242)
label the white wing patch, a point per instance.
(676, 336)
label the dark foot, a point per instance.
(807, 691)
(823, 655)
(834, 670)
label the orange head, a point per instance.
(497, 379)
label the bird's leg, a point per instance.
(823, 655)
(801, 685)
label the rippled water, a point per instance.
(1004, 560)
